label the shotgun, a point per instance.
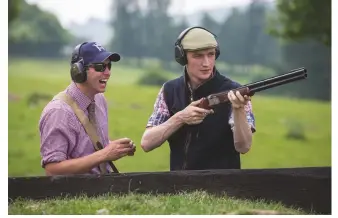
(251, 88)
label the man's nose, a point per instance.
(206, 61)
(106, 71)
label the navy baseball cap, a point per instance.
(93, 52)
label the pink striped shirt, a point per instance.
(62, 136)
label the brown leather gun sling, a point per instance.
(90, 130)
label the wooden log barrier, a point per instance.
(308, 188)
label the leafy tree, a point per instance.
(125, 20)
(36, 33)
(13, 10)
(305, 28)
(303, 19)
(208, 22)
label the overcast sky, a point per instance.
(79, 11)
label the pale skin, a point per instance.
(199, 68)
(115, 150)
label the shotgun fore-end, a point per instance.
(204, 104)
(243, 91)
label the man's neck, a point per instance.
(194, 82)
(85, 90)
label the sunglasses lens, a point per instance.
(102, 67)
(98, 68)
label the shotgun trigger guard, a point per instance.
(213, 100)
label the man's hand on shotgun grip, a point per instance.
(193, 114)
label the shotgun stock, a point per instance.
(251, 88)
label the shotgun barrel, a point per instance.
(277, 83)
(251, 88)
(291, 74)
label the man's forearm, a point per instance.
(242, 131)
(155, 136)
(76, 166)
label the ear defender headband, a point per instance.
(180, 55)
(77, 70)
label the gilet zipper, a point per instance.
(188, 138)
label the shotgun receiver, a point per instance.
(251, 88)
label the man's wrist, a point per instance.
(101, 155)
(238, 110)
(178, 119)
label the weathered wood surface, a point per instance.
(308, 188)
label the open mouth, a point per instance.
(103, 81)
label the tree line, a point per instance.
(288, 35)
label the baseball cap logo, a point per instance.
(94, 52)
(99, 47)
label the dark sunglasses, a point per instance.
(100, 67)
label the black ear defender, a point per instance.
(180, 55)
(77, 70)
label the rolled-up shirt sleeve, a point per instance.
(160, 113)
(57, 135)
(249, 116)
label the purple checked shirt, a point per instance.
(62, 135)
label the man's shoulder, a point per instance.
(173, 82)
(171, 85)
(227, 81)
(56, 106)
(101, 101)
(235, 84)
(100, 98)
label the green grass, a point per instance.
(130, 106)
(194, 203)
(59, 70)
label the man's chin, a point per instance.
(101, 90)
(205, 76)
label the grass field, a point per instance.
(194, 203)
(130, 106)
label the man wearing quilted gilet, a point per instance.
(200, 139)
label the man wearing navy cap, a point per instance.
(65, 146)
